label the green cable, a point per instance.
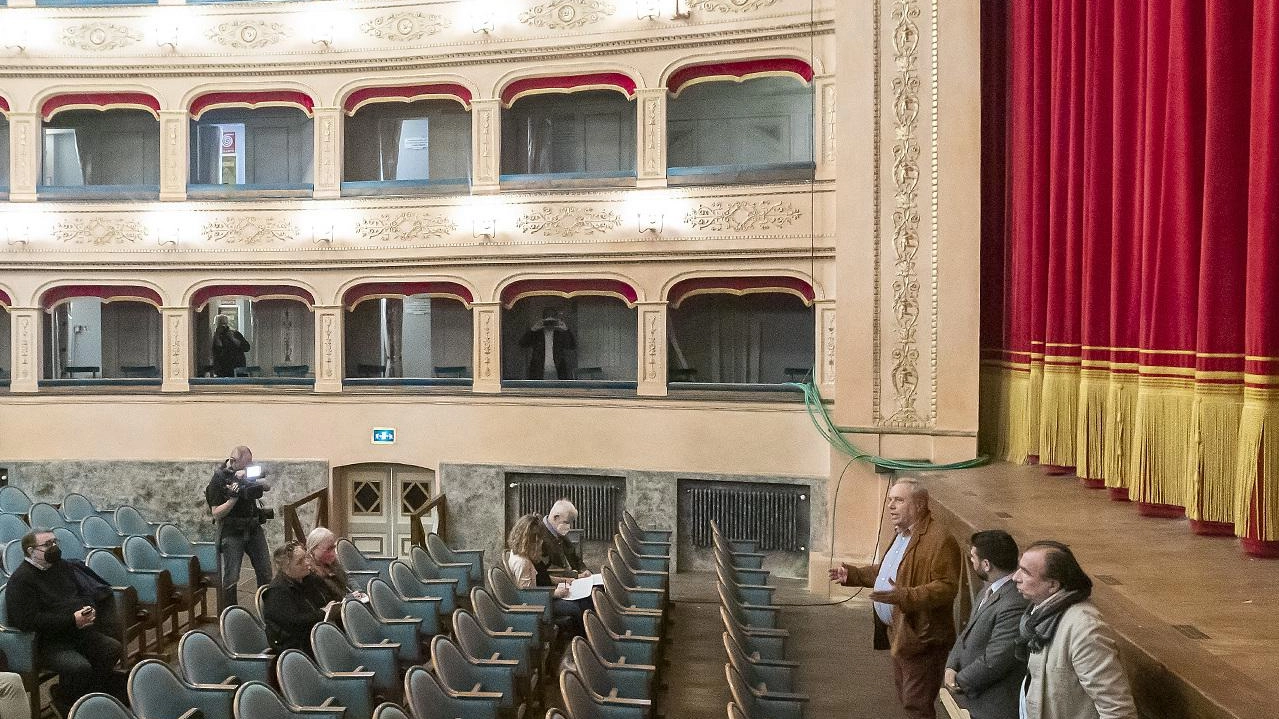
(826, 427)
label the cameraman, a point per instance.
(232, 496)
(550, 341)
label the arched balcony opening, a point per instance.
(407, 140)
(268, 336)
(98, 334)
(408, 333)
(251, 144)
(569, 333)
(740, 122)
(100, 145)
(6, 346)
(569, 128)
(740, 333)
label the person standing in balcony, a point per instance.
(229, 347)
(550, 341)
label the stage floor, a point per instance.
(1201, 617)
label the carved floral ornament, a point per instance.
(730, 5)
(743, 215)
(404, 226)
(247, 34)
(568, 221)
(99, 36)
(567, 14)
(248, 231)
(405, 26)
(97, 231)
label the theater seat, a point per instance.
(425, 566)
(445, 555)
(633, 578)
(76, 506)
(641, 545)
(632, 598)
(364, 627)
(637, 647)
(154, 590)
(305, 685)
(494, 617)
(156, 691)
(747, 593)
(753, 617)
(255, 700)
(130, 522)
(242, 633)
(410, 585)
(105, 706)
(48, 517)
(763, 706)
(582, 702)
(360, 565)
(768, 645)
(510, 596)
(389, 603)
(648, 535)
(12, 528)
(14, 501)
(609, 680)
(98, 533)
(335, 652)
(171, 540)
(477, 642)
(387, 710)
(69, 542)
(19, 647)
(458, 672)
(204, 661)
(635, 622)
(428, 698)
(619, 650)
(776, 675)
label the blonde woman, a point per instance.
(321, 544)
(526, 544)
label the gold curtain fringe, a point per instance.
(1121, 418)
(1258, 449)
(1214, 447)
(1058, 415)
(1004, 429)
(1160, 444)
(1090, 432)
(1034, 395)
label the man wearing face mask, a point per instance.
(72, 618)
(559, 556)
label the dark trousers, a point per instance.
(568, 614)
(234, 546)
(83, 665)
(919, 680)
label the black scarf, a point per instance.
(1039, 624)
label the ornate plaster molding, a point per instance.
(100, 37)
(405, 26)
(406, 226)
(734, 6)
(248, 230)
(742, 216)
(247, 34)
(568, 221)
(567, 14)
(98, 231)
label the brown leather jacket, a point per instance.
(928, 579)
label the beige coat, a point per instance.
(1078, 675)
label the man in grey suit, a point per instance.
(982, 671)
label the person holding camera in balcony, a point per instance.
(232, 496)
(550, 341)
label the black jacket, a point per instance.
(290, 609)
(45, 601)
(229, 347)
(557, 554)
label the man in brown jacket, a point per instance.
(915, 585)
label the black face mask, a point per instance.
(53, 554)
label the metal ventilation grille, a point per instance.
(775, 515)
(598, 501)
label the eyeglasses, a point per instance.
(48, 544)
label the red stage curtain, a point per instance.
(1131, 209)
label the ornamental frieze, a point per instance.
(248, 231)
(97, 231)
(568, 221)
(404, 227)
(567, 14)
(404, 26)
(742, 216)
(730, 5)
(248, 34)
(99, 36)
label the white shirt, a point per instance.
(888, 571)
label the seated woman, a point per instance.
(321, 545)
(294, 601)
(526, 544)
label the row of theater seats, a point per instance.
(614, 670)
(760, 678)
(485, 662)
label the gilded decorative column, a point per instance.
(652, 350)
(824, 362)
(174, 155)
(650, 153)
(824, 127)
(486, 145)
(487, 375)
(24, 155)
(25, 341)
(328, 153)
(176, 331)
(328, 348)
